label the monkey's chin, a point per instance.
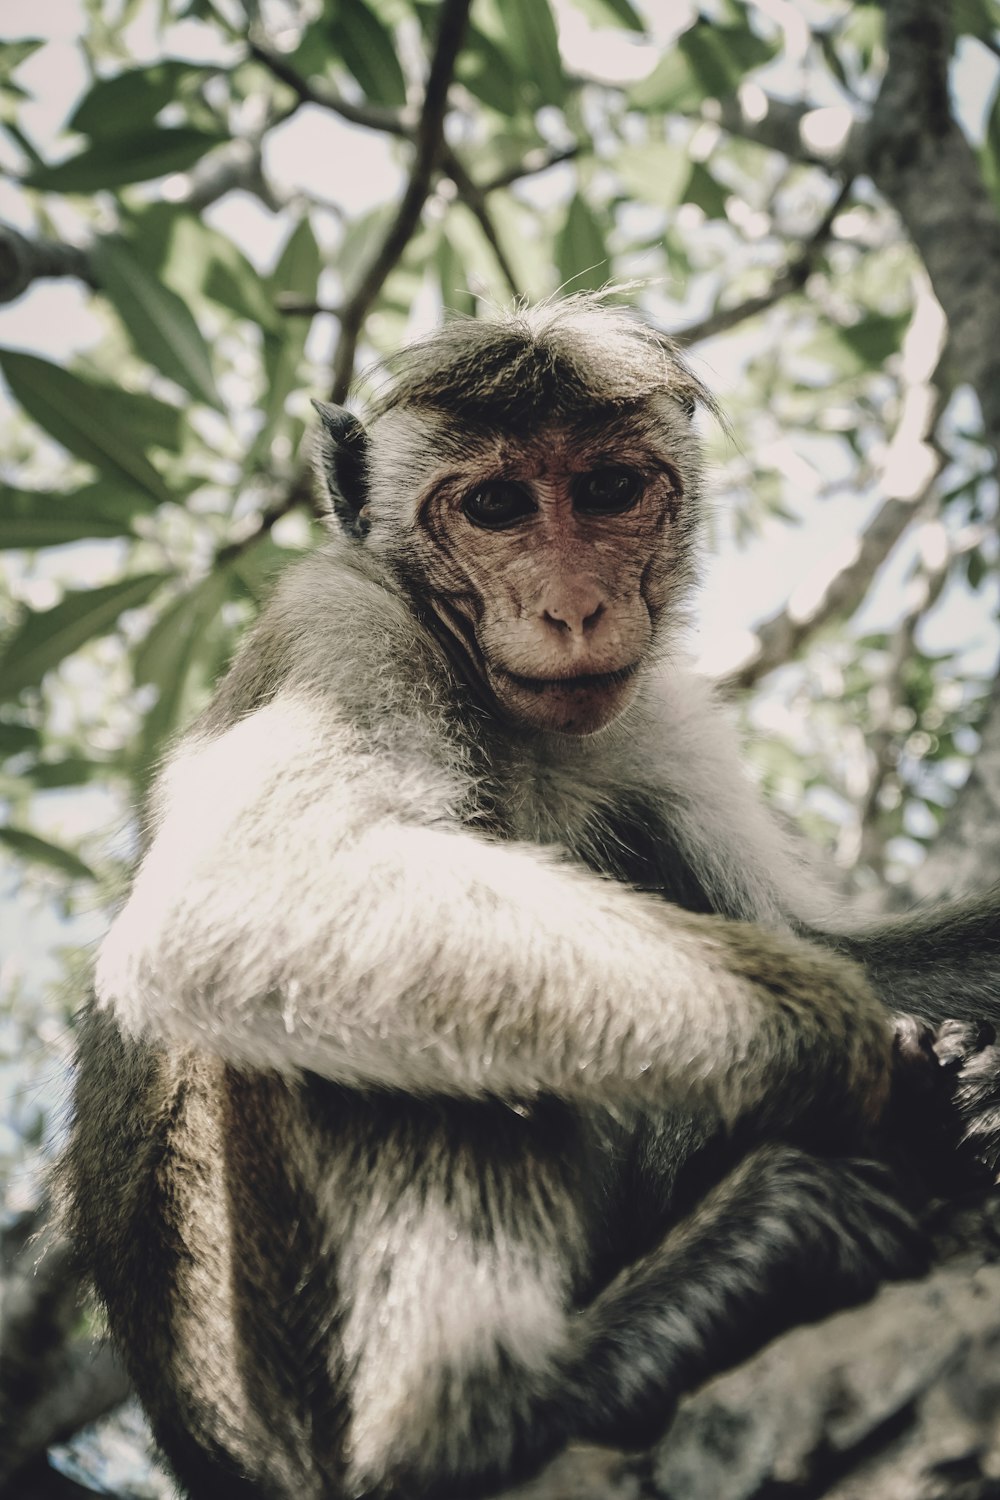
(565, 705)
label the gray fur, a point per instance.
(416, 1014)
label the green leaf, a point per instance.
(360, 239)
(116, 162)
(90, 420)
(72, 770)
(157, 321)
(864, 32)
(671, 87)
(234, 283)
(15, 53)
(875, 336)
(158, 658)
(832, 58)
(297, 271)
(530, 253)
(453, 273)
(975, 18)
(118, 106)
(533, 43)
(707, 62)
(708, 194)
(151, 423)
(258, 568)
(581, 254)
(865, 345)
(195, 261)
(17, 135)
(44, 638)
(368, 50)
(976, 568)
(485, 71)
(657, 173)
(990, 154)
(15, 739)
(40, 851)
(45, 518)
(296, 274)
(179, 657)
(611, 13)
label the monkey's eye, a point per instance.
(498, 504)
(606, 492)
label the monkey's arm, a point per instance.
(939, 964)
(292, 912)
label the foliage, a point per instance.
(160, 461)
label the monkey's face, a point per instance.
(549, 563)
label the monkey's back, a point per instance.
(320, 1290)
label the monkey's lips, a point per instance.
(577, 704)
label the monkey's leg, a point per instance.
(784, 1238)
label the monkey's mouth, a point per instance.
(586, 682)
(579, 703)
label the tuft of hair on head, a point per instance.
(561, 358)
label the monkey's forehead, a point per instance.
(554, 363)
(410, 443)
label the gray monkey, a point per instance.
(466, 1063)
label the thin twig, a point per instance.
(290, 306)
(889, 696)
(451, 29)
(474, 197)
(530, 165)
(300, 492)
(792, 279)
(401, 122)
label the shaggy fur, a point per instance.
(428, 1038)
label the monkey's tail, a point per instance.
(941, 963)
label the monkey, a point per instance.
(470, 1070)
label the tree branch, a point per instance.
(792, 279)
(50, 1384)
(922, 163)
(236, 166)
(401, 122)
(474, 197)
(530, 165)
(451, 29)
(907, 476)
(886, 699)
(965, 856)
(925, 168)
(299, 492)
(782, 128)
(781, 637)
(24, 260)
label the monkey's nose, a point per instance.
(577, 614)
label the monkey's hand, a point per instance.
(943, 1122)
(969, 1054)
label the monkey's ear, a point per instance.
(341, 458)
